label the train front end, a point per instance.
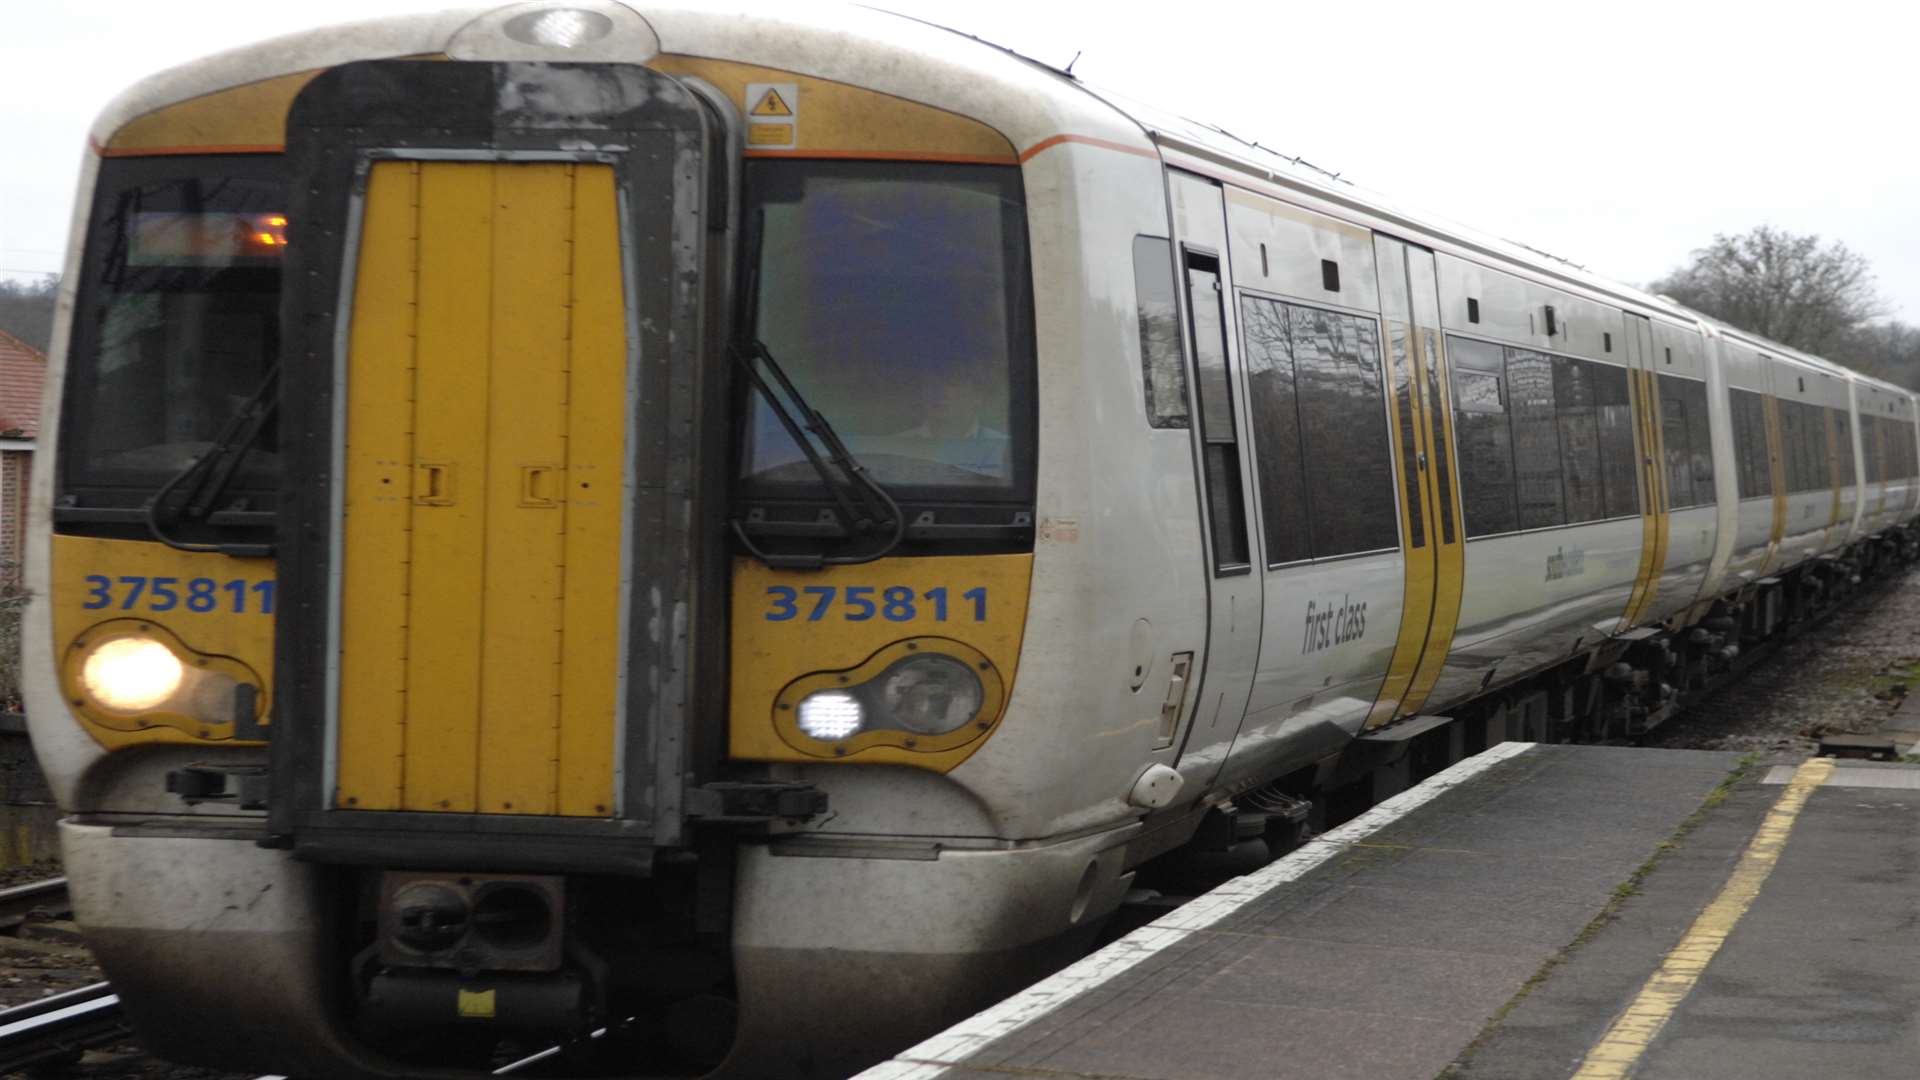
(451, 606)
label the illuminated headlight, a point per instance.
(131, 674)
(559, 28)
(929, 694)
(831, 715)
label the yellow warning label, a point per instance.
(771, 104)
(770, 135)
(476, 1003)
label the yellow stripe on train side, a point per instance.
(802, 629)
(1776, 480)
(1416, 540)
(1644, 403)
(1450, 556)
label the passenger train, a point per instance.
(745, 531)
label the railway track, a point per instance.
(18, 903)
(59, 1028)
(62, 1026)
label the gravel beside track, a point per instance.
(1843, 676)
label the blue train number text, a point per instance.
(199, 594)
(858, 603)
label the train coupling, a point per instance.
(474, 949)
(552, 1001)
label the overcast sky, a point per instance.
(1620, 135)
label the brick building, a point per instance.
(22, 372)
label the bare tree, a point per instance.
(26, 309)
(1791, 288)
(1888, 350)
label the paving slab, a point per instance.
(1382, 950)
(1820, 975)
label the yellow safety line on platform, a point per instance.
(1620, 1049)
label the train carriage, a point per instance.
(750, 529)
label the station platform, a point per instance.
(1533, 912)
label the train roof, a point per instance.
(1027, 100)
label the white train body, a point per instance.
(1307, 472)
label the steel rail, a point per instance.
(19, 901)
(58, 1027)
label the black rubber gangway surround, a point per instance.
(662, 141)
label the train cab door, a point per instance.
(1225, 476)
(1432, 538)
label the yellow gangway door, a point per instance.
(486, 397)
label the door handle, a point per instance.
(1176, 697)
(537, 484)
(432, 484)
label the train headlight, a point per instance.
(929, 694)
(831, 715)
(134, 674)
(131, 674)
(923, 695)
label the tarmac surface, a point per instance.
(1562, 911)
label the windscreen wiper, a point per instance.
(207, 475)
(864, 505)
(877, 508)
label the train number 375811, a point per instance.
(130, 593)
(858, 603)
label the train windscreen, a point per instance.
(176, 322)
(896, 297)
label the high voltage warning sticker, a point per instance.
(772, 104)
(773, 114)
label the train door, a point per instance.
(1648, 433)
(1420, 402)
(1234, 597)
(464, 602)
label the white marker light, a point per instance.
(560, 28)
(131, 674)
(831, 715)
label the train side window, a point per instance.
(1219, 437)
(1790, 444)
(1429, 344)
(1275, 409)
(1843, 442)
(1619, 460)
(1749, 443)
(1813, 447)
(1803, 439)
(1673, 425)
(1576, 413)
(1699, 440)
(1343, 429)
(1536, 439)
(1165, 373)
(1484, 437)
